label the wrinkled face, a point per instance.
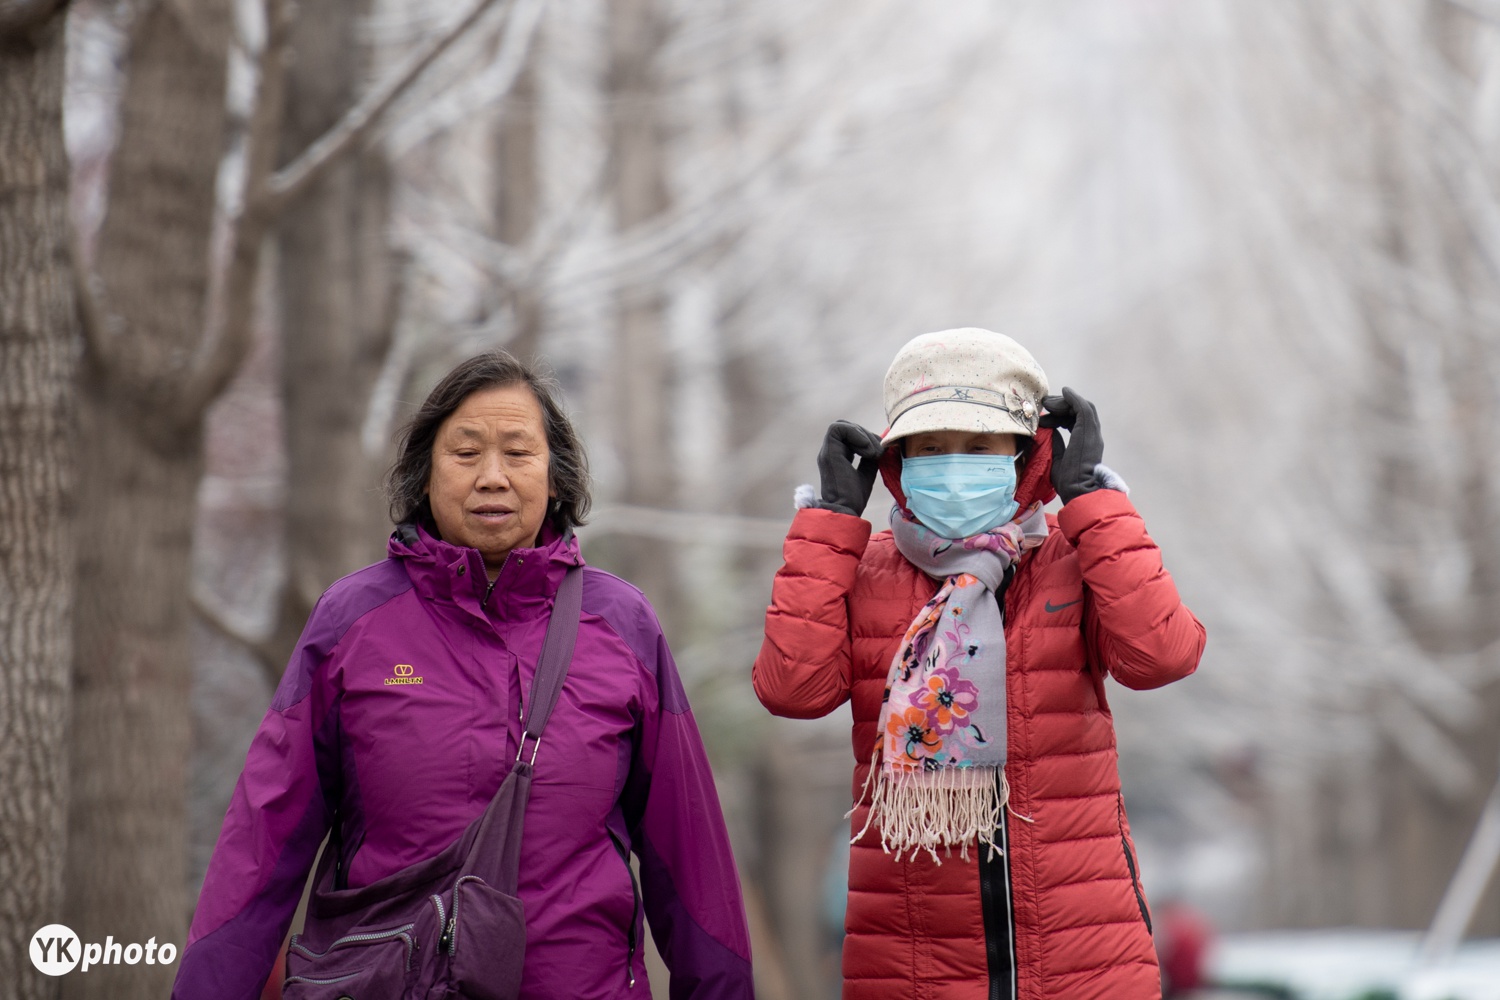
(489, 485)
(958, 443)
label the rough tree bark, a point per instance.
(37, 350)
(158, 355)
(140, 462)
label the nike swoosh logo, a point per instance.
(1050, 607)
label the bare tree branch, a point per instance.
(1431, 749)
(387, 344)
(191, 18)
(644, 254)
(1477, 9)
(231, 312)
(385, 394)
(100, 327)
(267, 193)
(384, 340)
(20, 16)
(355, 126)
(94, 319)
(214, 617)
(486, 88)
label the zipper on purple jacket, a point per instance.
(635, 906)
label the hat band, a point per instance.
(966, 394)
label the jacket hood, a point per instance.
(1035, 485)
(523, 589)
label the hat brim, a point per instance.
(954, 415)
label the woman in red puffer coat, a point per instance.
(992, 855)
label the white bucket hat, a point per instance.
(963, 380)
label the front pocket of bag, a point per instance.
(488, 946)
(364, 966)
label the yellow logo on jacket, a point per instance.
(402, 674)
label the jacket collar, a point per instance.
(442, 571)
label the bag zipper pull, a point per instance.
(445, 943)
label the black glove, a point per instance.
(1073, 464)
(846, 489)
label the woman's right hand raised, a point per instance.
(846, 488)
(1075, 463)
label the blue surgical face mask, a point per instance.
(960, 495)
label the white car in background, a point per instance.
(1351, 964)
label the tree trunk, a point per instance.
(37, 349)
(336, 277)
(140, 463)
(1425, 230)
(518, 200)
(642, 378)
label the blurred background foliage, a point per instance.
(1263, 237)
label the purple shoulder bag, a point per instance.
(452, 926)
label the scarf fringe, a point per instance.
(924, 810)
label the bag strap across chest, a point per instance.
(552, 668)
(490, 847)
(494, 854)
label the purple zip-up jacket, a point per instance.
(398, 716)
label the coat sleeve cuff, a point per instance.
(843, 533)
(1083, 512)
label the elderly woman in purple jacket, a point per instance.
(398, 714)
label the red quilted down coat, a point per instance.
(1062, 915)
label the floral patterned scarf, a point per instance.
(938, 778)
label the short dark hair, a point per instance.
(568, 467)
